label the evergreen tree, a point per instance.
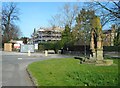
(83, 24)
(66, 35)
(65, 40)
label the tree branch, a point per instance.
(112, 12)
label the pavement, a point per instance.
(14, 66)
(112, 54)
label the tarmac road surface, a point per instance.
(14, 67)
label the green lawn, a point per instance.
(69, 72)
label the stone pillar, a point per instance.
(92, 41)
(92, 46)
(99, 49)
(94, 56)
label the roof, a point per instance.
(56, 29)
(15, 41)
(106, 31)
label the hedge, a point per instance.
(56, 46)
(111, 48)
(46, 46)
(82, 48)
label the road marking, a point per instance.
(19, 58)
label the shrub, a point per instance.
(46, 46)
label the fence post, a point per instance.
(29, 54)
(46, 53)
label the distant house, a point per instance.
(16, 43)
(47, 34)
(108, 36)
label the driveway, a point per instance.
(14, 67)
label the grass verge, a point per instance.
(69, 72)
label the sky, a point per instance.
(36, 14)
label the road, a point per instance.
(14, 67)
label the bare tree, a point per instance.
(108, 11)
(14, 32)
(66, 16)
(10, 14)
(55, 20)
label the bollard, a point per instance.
(29, 54)
(46, 53)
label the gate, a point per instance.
(25, 48)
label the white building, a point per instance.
(16, 43)
(47, 34)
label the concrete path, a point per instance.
(14, 67)
(113, 54)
